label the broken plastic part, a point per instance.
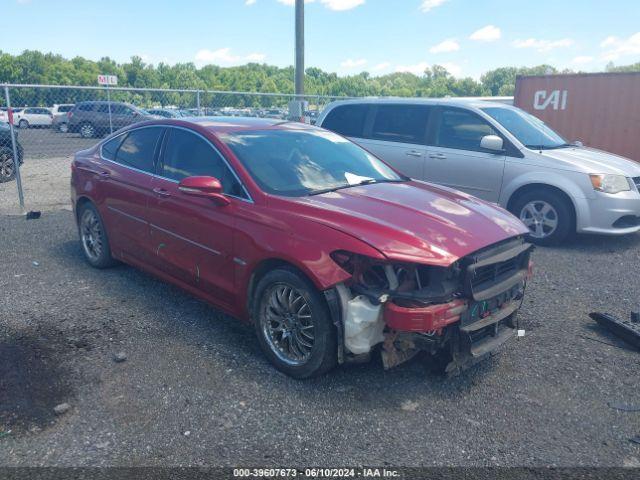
(363, 322)
(625, 329)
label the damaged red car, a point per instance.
(328, 251)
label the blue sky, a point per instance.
(345, 36)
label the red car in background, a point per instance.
(328, 251)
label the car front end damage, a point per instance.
(459, 314)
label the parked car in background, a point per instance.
(7, 161)
(165, 112)
(60, 119)
(501, 154)
(324, 247)
(32, 117)
(98, 118)
(4, 115)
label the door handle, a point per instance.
(414, 153)
(104, 174)
(440, 156)
(161, 192)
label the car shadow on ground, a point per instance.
(230, 342)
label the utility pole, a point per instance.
(299, 80)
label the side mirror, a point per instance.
(209, 187)
(578, 143)
(492, 142)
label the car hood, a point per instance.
(412, 221)
(590, 160)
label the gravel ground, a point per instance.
(195, 389)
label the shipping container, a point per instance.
(601, 110)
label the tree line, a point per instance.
(34, 67)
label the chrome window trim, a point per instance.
(249, 199)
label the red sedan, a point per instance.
(327, 250)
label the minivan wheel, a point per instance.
(63, 127)
(87, 130)
(93, 237)
(547, 215)
(293, 324)
(7, 165)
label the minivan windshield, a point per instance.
(297, 162)
(532, 132)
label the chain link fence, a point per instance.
(50, 123)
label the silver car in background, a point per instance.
(501, 154)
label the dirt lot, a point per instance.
(196, 390)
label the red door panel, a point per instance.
(192, 239)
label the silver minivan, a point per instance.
(501, 154)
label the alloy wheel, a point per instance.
(6, 166)
(287, 324)
(87, 131)
(91, 234)
(64, 128)
(541, 218)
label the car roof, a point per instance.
(477, 102)
(221, 124)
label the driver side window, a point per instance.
(462, 130)
(188, 155)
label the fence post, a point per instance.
(198, 102)
(14, 146)
(109, 108)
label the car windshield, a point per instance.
(531, 131)
(297, 162)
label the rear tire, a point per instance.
(7, 165)
(293, 324)
(93, 237)
(87, 130)
(549, 216)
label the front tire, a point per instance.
(293, 324)
(547, 214)
(93, 237)
(7, 165)
(23, 124)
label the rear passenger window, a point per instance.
(462, 129)
(401, 123)
(110, 148)
(138, 148)
(188, 155)
(347, 120)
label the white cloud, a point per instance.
(337, 5)
(447, 46)
(621, 47)
(428, 5)
(249, 2)
(351, 63)
(453, 68)
(341, 4)
(223, 56)
(416, 68)
(490, 33)
(543, 45)
(381, 66)
(582, 59)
